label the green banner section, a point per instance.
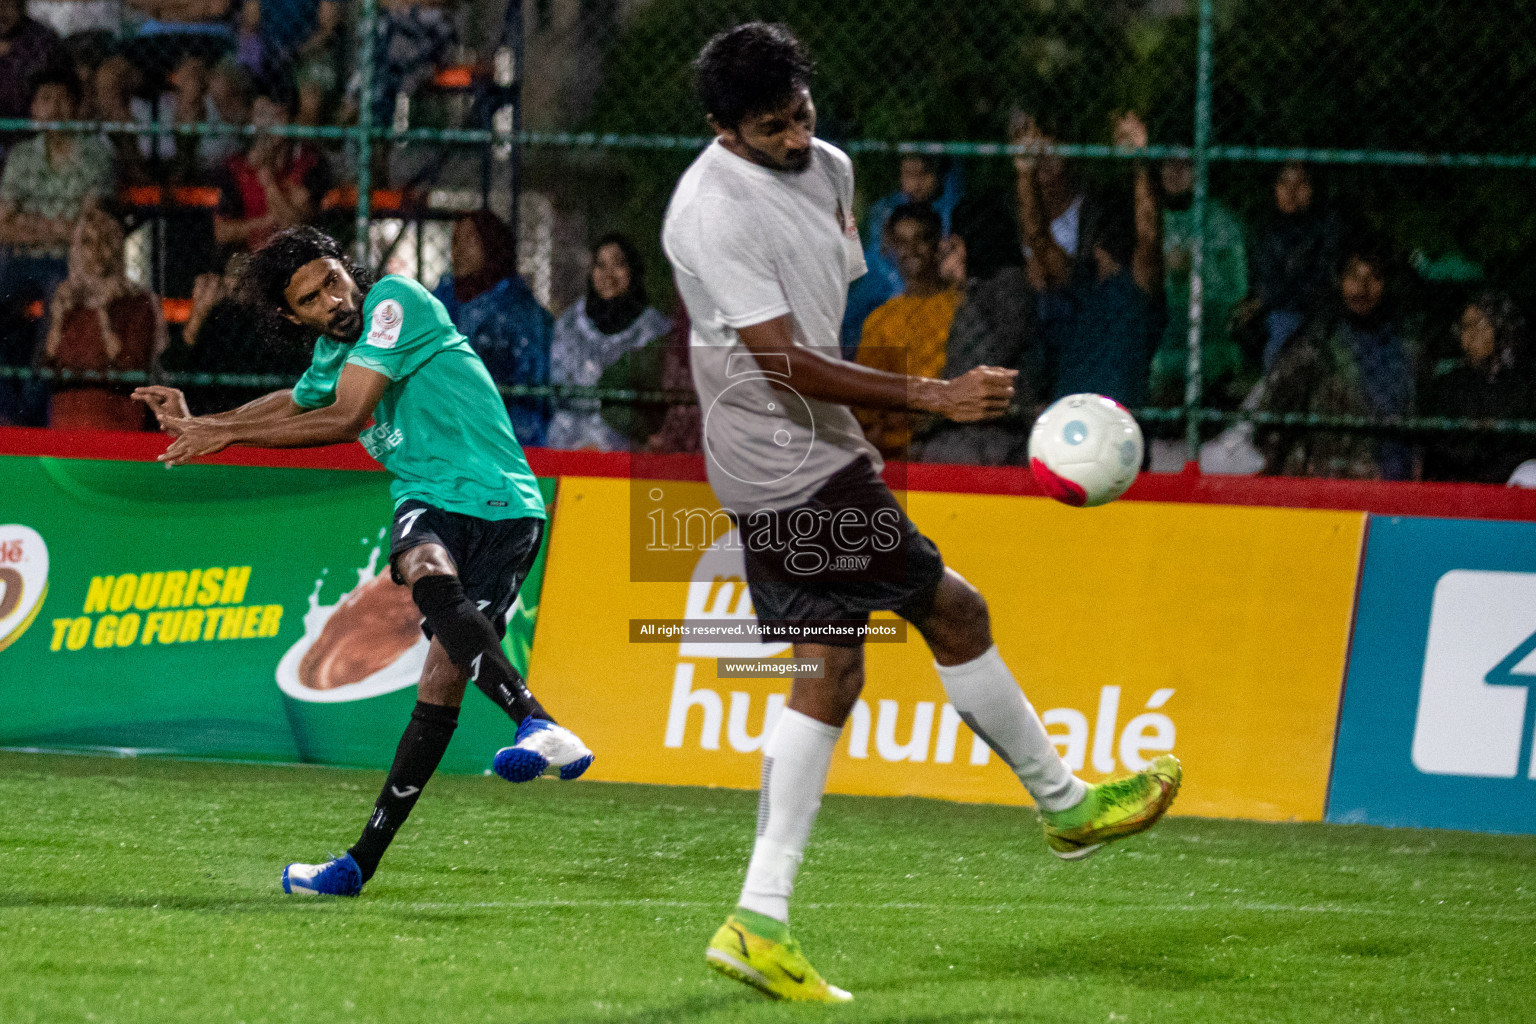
(217, 611)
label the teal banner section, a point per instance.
(1438, 715)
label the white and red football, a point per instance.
(1085, 450)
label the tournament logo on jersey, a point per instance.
(847, 222)
(23, 580)
(387, 320)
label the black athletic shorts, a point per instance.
(848, 551)
(493, 556)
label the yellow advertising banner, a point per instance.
(1217, 632)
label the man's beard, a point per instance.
(795, 161)
(347, 327)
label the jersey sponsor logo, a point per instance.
(23, 580)
(388, 318)
(380, 439)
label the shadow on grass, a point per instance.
(115, 901)
(264, 903)
(695, 1008)
(1166, 959)
(710, 1008)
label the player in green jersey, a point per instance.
(390, 370)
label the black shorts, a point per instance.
(848, 551)
(492, 556)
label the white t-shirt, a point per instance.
(748, 244)
(1065, 229)
(68, 17)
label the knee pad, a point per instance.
(462, 629)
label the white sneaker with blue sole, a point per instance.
(338, 877)
(542, 748)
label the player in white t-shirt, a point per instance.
(762, 240)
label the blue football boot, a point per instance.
(542, 748)
(338, 877)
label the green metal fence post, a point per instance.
(1192, 382)
(364, 133)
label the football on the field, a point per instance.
(1085, 450)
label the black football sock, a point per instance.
(473, 644)
(420, 750)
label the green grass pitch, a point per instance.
(145, 890)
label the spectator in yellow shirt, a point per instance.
(907, 334)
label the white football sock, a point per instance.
(991, 703)
(795, 763)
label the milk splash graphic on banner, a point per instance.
(368, 643)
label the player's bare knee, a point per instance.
(846, 680)
(971, 612)
(958, 627)
(831, 697)
(424, 560)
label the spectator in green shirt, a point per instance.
(1225, 282)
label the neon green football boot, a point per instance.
(759, 951)
(1114, 809)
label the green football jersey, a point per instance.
(441, 428)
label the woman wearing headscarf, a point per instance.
(1291, 261)
(99, 320)
(1350, 359)
(494, 308)
(609, 322)
(1491, 380)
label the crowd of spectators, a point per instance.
(256, 64)
(67, 304)
(1080, 282)
(1302, 312)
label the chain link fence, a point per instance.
(1277, 138)
(151, 144)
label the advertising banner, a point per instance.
(1217, 632)
(215, 611)
(1438, 717)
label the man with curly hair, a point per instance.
(468, 513)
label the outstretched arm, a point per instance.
(357, 393)
(1047, 260)
(170, 408)
(981, 394)
(1147, 260)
